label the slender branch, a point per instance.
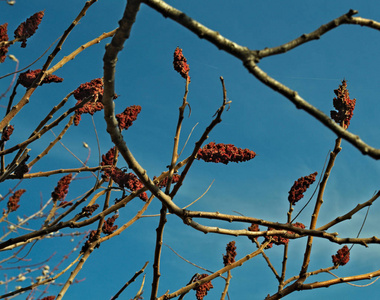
(324, 270)
(75, 272)
(157, 252)
(163, 211)
(315, 35)
(318, 204)
(73, 54)
(61, 171)
(226, 286)
(129, 223)
(349, 215)
(286, 247)
(130, 281)
(320, 284)
(55, 141)
(181, 257)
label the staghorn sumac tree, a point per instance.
(114, 163)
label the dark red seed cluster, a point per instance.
(108, 226)
(229, 258)
(341, 257)
(119, 176)
(202, 290)
(299, 225)
(26, 29)
(253, 227)
(129, 181)
(93, 89)
(128, 116)
(7, 132)
(14, 200)
(300, 186)
(48, 298)
(180, 63)
(164, 182)
(279, 240)
(344, 106)
(21, 169)
(224, 153)
(108, 158)
(91, 238)
(64, 204)
(90, 90)
(62, 188)
(88, 210)
(3, 38)
(26, 79)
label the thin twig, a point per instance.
(130, 281)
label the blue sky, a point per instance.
(289, 144)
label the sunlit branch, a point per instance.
(226, 285)
(129, 223)
(72, 55)
(286, 248)
(320, 284)
(269, 263)
(61, 171)
(349, 215)
(311, 274)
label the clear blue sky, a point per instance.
(289, 144)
